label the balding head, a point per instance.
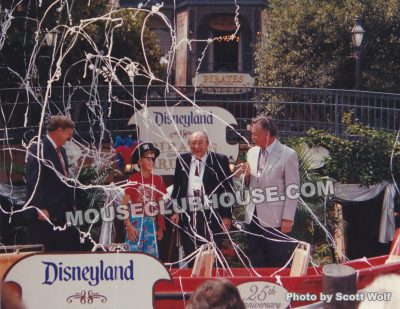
(198, 143)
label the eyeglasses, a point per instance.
(151, 158)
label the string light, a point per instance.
(227, 38)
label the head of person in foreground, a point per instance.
(216, 294)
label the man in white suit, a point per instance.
(274, 166)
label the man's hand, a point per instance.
(242, 169)
(175, 218)
(131, 231)
(227, 223)
(286, 226)
(246, 169)
(43, 215)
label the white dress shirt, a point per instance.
(195, 183)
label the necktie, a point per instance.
(197, 170)
(197, 181)
(60, 157)
(261, 161)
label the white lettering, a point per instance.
(74, 218)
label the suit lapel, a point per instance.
(54, 156)
(208, 167)
(209, 176)
(65, 158)
(186, 158)
(254, 162)
(274, 157)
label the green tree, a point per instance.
(116, 38)
(306, 43)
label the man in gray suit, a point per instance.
(271, 167)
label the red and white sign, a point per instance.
(93, 280)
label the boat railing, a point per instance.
(301, 257)
(204, 262)
(394, 255)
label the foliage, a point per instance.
(306, 228)
(92, 197)
(307, 43)
(24, 53)
(90, 174)
(363, 156)
(13, 168)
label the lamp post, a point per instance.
(357, 34)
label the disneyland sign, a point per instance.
(169, 128)
(185, 120)
(90, 280)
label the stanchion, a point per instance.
(339, 287)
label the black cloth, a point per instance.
(41, 232)
(51, 193)
(216, 180)
(363, 239)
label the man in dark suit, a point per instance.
(201, 174)
(46, 179)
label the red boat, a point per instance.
(308, 286)
(270, 287)
(174, 294)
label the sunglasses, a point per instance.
(154, 159)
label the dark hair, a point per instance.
(267, 123)
(216, 294)
(58, 121)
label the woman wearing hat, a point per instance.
(145, 225)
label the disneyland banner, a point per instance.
(94, 280)
(169, 129)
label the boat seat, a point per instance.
(204, 262)
(394, 255)
(300, 260)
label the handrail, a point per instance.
(21, 248)
(295, 109)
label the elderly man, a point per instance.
(274, 166)
(46, 177)
(203, 174)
